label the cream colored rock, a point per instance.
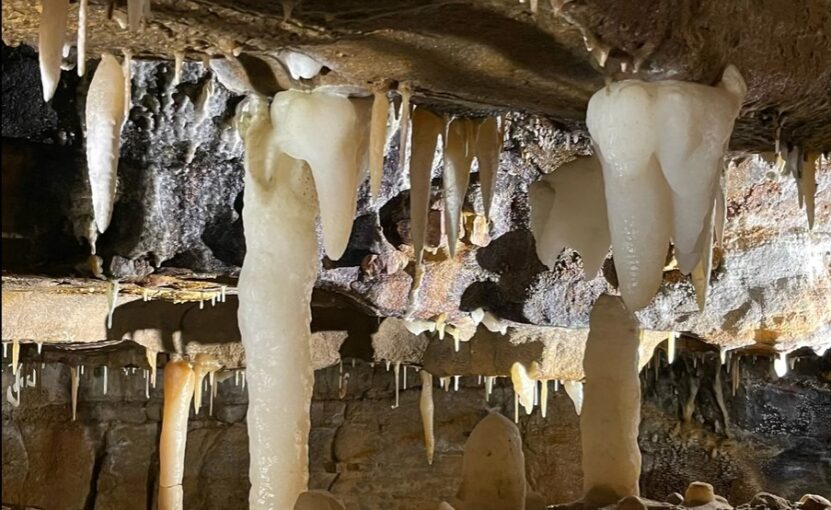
(699, 493)
(493, 467)
(814, 502)
(612, 404)
(178, 389)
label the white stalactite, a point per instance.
(568, 209)
(612, 405)
(330, 133)
(488, 149)
(426, 130)
(82, 37)
(51, 38)
(377, 141)
(15, 355)
(405, 91)
(427, 410)
(661, 145)
(574, 390)
(104, 119)
(73, 389)
(458, 156)
(524, 385)
(178, 389)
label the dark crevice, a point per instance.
(100, 455)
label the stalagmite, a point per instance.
(458, 156)
(524, 384)
(328, 132)
(51, 37)
(274, 303)
(15, 355)
(104, 118)
(427, 410)
(661, 146)
(574, 389)
(82, 37)
(488, 148)
(377, 141)
(73, 389)
(611, 409)
(493, 467)
(178, 389)
(568, 209)
(426, 129)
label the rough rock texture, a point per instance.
(180, 192)
(772, 436)
(497, 54)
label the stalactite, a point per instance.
(74, 382)
(151, 355)
(661, 145)
(82, 37)
(427, 411)
(15, 355)
(488, 149)
(51, 37)
(178, 389)
(104, 119)
(544, 398)
(458, 156)
(377, 141)
(405, 91)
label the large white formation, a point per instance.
(661, 146)
(274, 292)
(330, 132)
(458, 156)
(104, 118)
(612, 404)
(178, 389)
(52, 32)
(427, 127)
(488, 148)
(568, 209)
(493, 467)
(310, 150)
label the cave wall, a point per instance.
(772, 435)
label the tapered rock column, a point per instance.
(611, 404)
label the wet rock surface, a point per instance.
(371, 456)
